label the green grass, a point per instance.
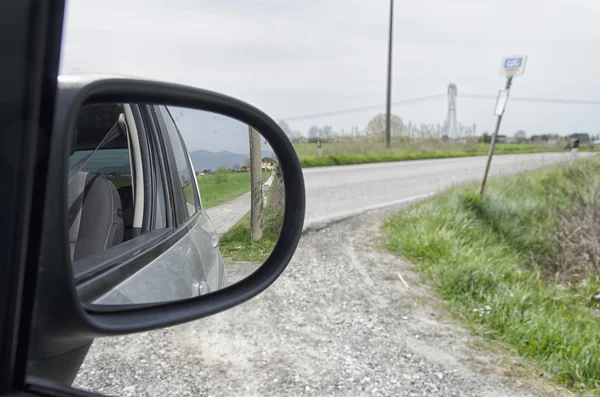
(355, 152)
(187, 192)
(236, 245)
(219, 188)
(489, 260)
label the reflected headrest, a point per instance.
(93, 123)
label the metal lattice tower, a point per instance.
(451, 123)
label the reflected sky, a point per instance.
(212, 132)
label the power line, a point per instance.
(532, 99)
(363, 108)
(431, 97)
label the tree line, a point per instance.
(376, 127)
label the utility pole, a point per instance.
(388, 114)
(256, 191)
(451, 122)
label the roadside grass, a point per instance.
(237, 246)
(370, 151)
(219, 188)
(505, 267)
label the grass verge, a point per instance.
(237, 245)
(496, 262)
(339, 154)
(219, 188)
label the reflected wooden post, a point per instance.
(256, 190)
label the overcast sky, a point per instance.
(293, 58)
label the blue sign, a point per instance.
(513, 63)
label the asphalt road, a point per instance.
(339, 321)
(225, 216)
(339, 192)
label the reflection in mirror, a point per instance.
(168, 203)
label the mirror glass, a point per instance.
(168, 203)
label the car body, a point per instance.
(149, 166)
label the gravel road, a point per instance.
(238, 271)
(339, 321)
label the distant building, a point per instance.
(538, 138)
(582, 136)
(244, 168)
(269, 164)
(545, 138)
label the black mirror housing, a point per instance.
(61, 323)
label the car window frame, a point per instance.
(188, 159)
(30, 51)
(157, 168)
(133, 255)
(99, 273)
(179, 202)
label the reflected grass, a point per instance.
(219, 188)
(237, 245)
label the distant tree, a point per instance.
(207, 171)
(269, 160)
(376, 125)
(286, 128)
(520, 136)
(487, 138)
(235, 167)
(295, 136)
(223, 169)
(313, 133)
(247, 162)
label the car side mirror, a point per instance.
(64, 322)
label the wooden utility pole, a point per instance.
(388, 104)
(256, 190)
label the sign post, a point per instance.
(512, 66)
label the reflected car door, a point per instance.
(171, 269)
(202, 233)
